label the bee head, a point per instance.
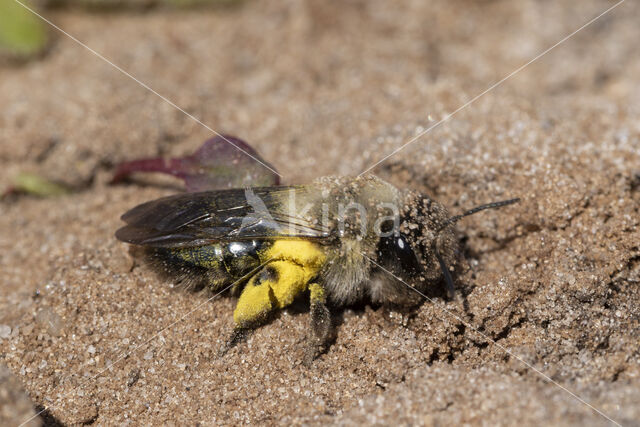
(423, 248)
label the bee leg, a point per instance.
(272, 289)
(320, 323)
(255, 304)
(237, 336)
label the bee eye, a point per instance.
(395, 252)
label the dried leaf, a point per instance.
(221, 162)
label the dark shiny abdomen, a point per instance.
(234, 258)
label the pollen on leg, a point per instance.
(317, 293)
(255, 303)
(274, 287)
(291, 281)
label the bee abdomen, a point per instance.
(211, 265)
(239, 258)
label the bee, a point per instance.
(336, 241)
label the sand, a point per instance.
(548, 322)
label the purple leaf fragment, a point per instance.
(221, 162)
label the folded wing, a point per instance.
(196, 219)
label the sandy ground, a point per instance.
(328, 88)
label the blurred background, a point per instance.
(317, 87)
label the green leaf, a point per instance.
(22, 33)
(36, 185)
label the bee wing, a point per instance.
(196, 219)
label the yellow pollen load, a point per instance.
(317, 293)
(295, 263)
(302, 252)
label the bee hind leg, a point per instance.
(237, 336)
(320, 323)
(268, 291)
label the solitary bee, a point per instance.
(339, 239)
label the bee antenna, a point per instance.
(453, 220)
(447, 276)
(477, 209)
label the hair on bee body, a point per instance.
(334, 240)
